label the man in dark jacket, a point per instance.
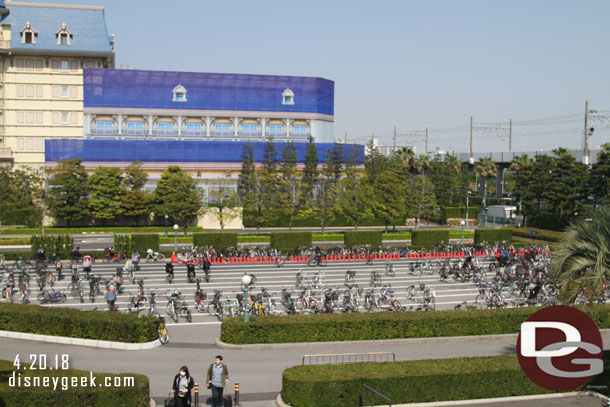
(216, 378)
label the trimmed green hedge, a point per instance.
(143, 242)
(17, 241)
(459, 212)
(73, 323)
(390, 325)
(417, 381)
(123, 242)
(129, 393)
(429, 237)
(353, 238)
(110, 229)
(492, 235)
(61, 244)
(218, 240)
(289, 241)
(540, 234)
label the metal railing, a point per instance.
(193, 132)
(105, 130)
(299, 134)
(222, 133)
(134, 130)
(369, 388)
(344, 358)
(165, 132)
(6, 152)
(276, 134)
(249, 133)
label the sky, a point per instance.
(404, 63)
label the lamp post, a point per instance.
(166, 218)
(176, 238)
(245, 282)
(462, 223)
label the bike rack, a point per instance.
(345, 358)
(362, 396)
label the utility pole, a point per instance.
(395, 131)
(345, 139)
(510, 135)
(426, 141)
(471, 156)
(586, 150)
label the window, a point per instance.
(39, 92)
(55, 65)
(29, 117)
(38, 117)
(193, 126)
(55, 117)
(250, 127)
(165, 125)
(222, 126)
(40, 144)
(20, 143)
(74, 118)
(20, 116)
(64, 118)
(135, 125)
(64, 92)
(30, 143)
(28, 35)
(300, 129)
(55, 92)
(64, 65)
(179, 94)
(276, 127)
(63, 38)
(29, 65)
(74, 92)
(20, 64)
(20, 91)
(103, 124)
(73, 65)
(29, 91)
(288, 97)
(63, 35)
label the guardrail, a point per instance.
(345, 358)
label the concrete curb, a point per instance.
(92, 343)
(280, 403)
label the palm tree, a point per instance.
(520, 162)
(582, 261)
(485, 168)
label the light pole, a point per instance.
(462, 223)
(176, 238)
(166, 218)
(245, 282)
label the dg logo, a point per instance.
(560, 348)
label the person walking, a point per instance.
(181, 388)
(217, 377)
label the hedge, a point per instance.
(492, 235)
(17, 241)
(73, 323)
(548, 221)
(61, 244)
(429, 237)
(459, 212)
(217, 240)
(417, 381)
(78, 230)
(289, 241)
(353, 238)
(541, 234)
(65, 395)
(123, 243)
(142, 242)
(390, 325)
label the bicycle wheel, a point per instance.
(389, 270)
(175, 315)
(431, 304)
(383, 303)
(63, 298)
(160, 257)
(324, 262)
(163, 336)
(200, 306)
(481, 301)
(141, 304)
(396, 305)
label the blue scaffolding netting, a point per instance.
(170, 151)
(206, 91)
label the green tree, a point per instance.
(176, 196)
(580, 264)
(105, 192)
(485, 168)
(248, 189)
(309, 181)
(68, 191)
(421, 201)
(268, 181)
(355, 197)
(568, 190)
(135, 203)
(389, 204)
(21, 192)
(374, 162)
(447, 179)
(600, 177)
(288, 184)
(326, 198)
(222, 203)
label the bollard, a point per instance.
(236, 394)
(196, 388)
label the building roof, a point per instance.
(164, 151)
(87, 25)
(207, 91)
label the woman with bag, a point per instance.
(181, 389)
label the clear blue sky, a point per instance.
(410, 63)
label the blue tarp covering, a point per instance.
(162, 151)
(206, 91)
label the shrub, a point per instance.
(217, 240)
(429, 237)
(136, 395)
(123, 243)
(353, 238)
(74, 323)
(548, 221)
(289, 241)
(143, 242)
(395, 325)
(492, 235)
(60, 244)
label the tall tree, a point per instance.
(421, 201)
(355, 196)
(176, 196)
(485, 168)
(135, 203)
(68, 192)
(21, 192)
(580, 263)
(248, 189)
(288, 184)
(268, 183)
(374, 162)
(326, 192)
(105, 192)
(389, 204)
(222, 203)
(309, 181)
(600, 177)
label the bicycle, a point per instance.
(350, 278)
(138, 303)
(389, 270)
(152, 308)
(375, 279)
(172, 307)
(318, 259)
(162, 331)
(388, 301)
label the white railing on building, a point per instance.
(105, 130)
(222, 133)
(134, 131)
(250, 133)
(165, 132)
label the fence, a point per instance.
(344, 358)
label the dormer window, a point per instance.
(179, 94)
(64, 36)
(28, 35)
(288, 97)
